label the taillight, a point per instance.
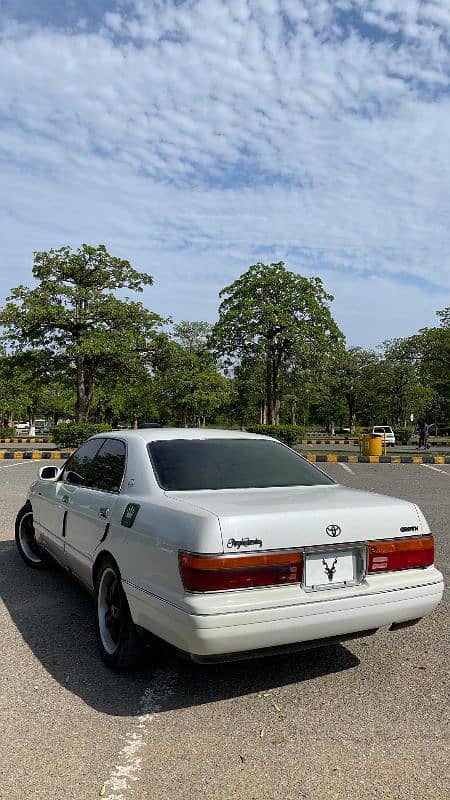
(217, 573)
(392, 554)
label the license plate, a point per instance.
(332, 569)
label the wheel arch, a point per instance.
(101, 556)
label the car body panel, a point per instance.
(50, 501)
(160, 530)
(299, 516)
(88, 516)
(273, 626)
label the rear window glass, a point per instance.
(186, 465)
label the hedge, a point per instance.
(7, 433)
(403, 435)
(288, 434)
(74, 434)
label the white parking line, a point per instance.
(20, 461)
(129, 762)
(436, 469)
(346, 467)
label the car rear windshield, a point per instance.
(186, 465)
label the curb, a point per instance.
(330, 458)
(356, 441)
(34, 455)
(333, 459)
(28, 440)
(329, 441)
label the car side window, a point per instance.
(108, 467)
(77, 470)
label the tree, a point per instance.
(279, 316)
(187, 379)
(12, 404)
(73, 313)
(434, 347)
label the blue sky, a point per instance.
(198, 137)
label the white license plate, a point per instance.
(331, 569)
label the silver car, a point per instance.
(225, 543)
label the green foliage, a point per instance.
(282, 319)
(7, 433)
(72, 314)
(288, 434)
(275, 355)
(403, 435)
(73, 434)
(433, 345)
(188, 384)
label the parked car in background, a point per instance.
(385, 431)
(225, 544)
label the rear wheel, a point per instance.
(116, 633)
(26, 542)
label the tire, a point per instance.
(26, 543)
(117, 638)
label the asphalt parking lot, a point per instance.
(364, 720)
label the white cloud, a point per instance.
(207, 132)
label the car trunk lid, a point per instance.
(291, 517)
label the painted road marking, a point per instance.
(436, 469)
(347, 468)
(125, 773)
(21, 462)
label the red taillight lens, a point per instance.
(400, 554)
(218, 573)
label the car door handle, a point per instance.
(65, 499)
(103, 512)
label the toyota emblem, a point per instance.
(333, 530)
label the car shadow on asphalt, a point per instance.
(54, 616)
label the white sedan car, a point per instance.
(386, 433)
(225, 545)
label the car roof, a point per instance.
(167, 434)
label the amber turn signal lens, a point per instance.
(201, 573)
(395, 554)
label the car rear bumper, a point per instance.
(209, 635)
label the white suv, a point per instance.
(385, 430)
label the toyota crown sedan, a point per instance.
(225, 545)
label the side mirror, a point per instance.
(49, 473)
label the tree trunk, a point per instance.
(85, 391)
(269, 389)
(273, 398)
(81, 408)
(293, 414)
(351, 403)
(31, 421)
(263, 413)
(276, 410)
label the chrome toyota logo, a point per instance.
(333, 530)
